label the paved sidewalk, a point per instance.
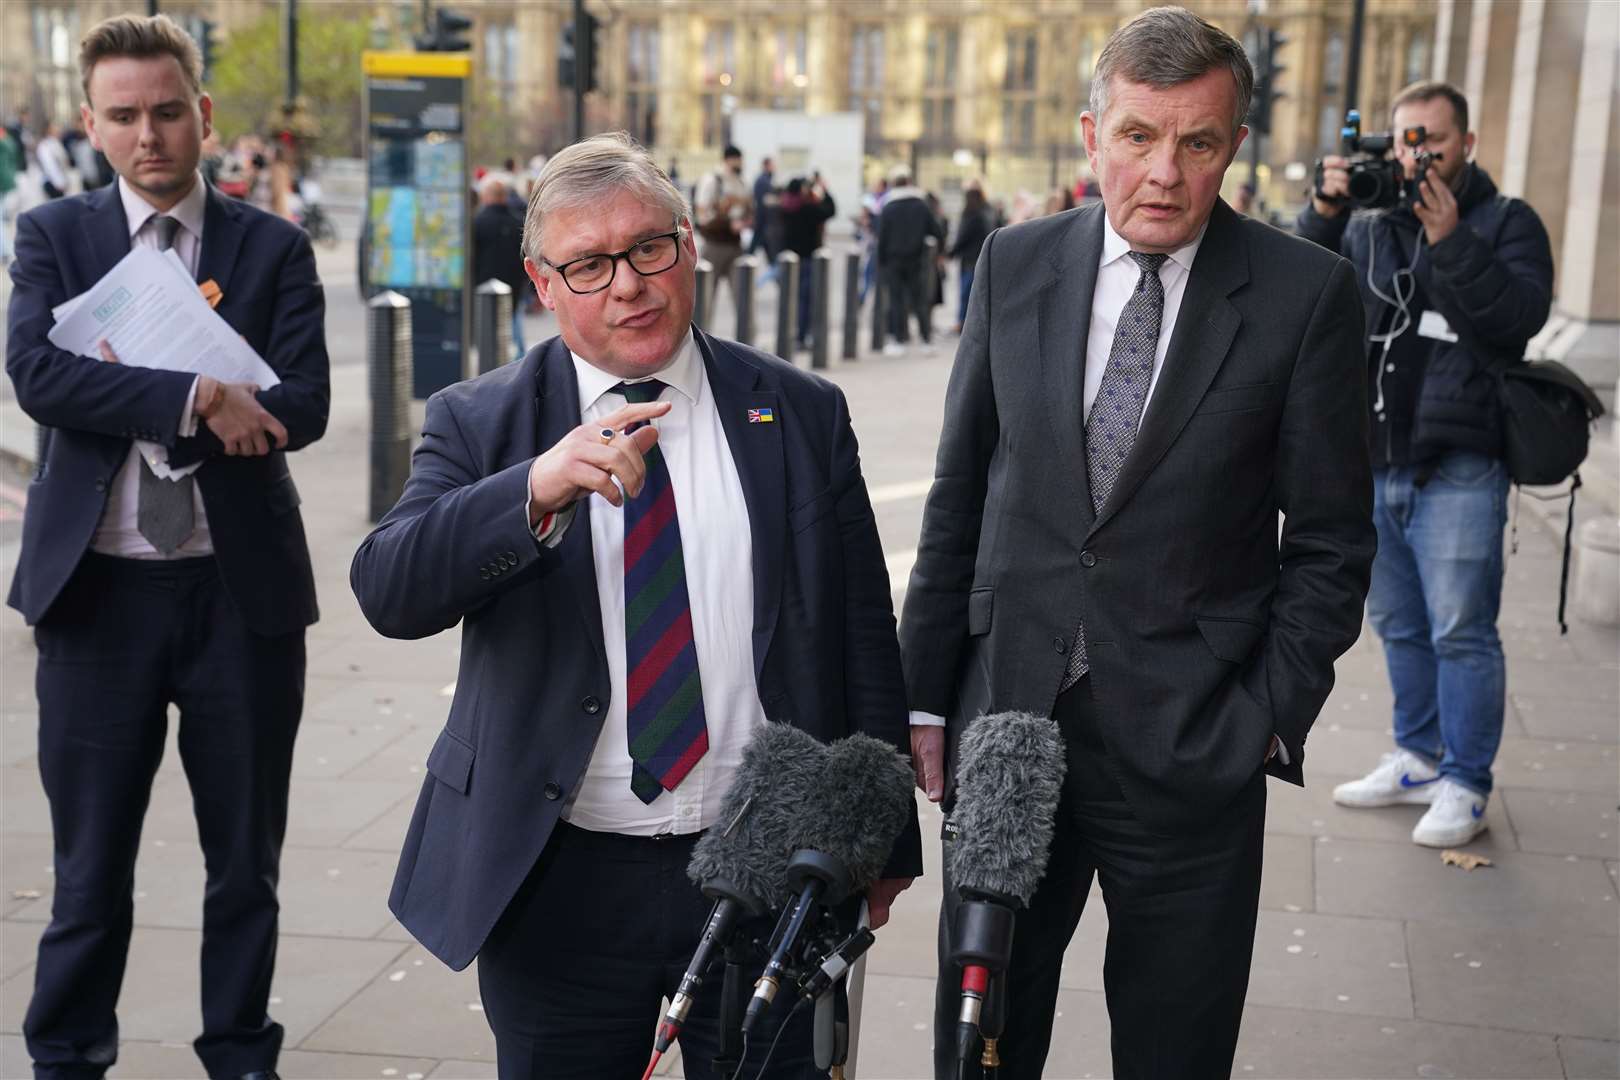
(1372, 959)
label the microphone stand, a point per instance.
(728, 1058)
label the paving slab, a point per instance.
(1590, 1059)
(464, 1070)
(25, 869)
(1330, 963)
(1404, 881)
(1286, 881)
(1576, 681)
(160, 997)
(1556, 765)
(1286, 1044)
(19, 737)
(417, 1007)
(1547, 717)
(1516, 979)
(1567, 822)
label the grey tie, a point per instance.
(164, 513)
(1117, 411)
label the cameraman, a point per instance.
(1452, 284)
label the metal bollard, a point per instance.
(787, 302)
(742, 291)
(852, 304)
(492, 324)
(388, 376)
(703, 299)
(820, 278)
(880, 314)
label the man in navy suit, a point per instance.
(163, 561)
(635, 601)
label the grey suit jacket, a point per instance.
(1206, 631)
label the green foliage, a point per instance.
(250, 76)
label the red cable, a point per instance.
(651, 1065)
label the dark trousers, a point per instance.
(1181, 913)
(125, 640)
(574, 973)
(905, 286)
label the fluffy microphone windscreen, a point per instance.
(761, 816)
(863, 802)
(1009, 778)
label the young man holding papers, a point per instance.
(163, 558)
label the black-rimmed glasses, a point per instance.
(593, 273)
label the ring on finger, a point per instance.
(606, 435)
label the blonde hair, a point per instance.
(140, 36)
(591, 171)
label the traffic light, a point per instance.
(578, 47)
(207, 45)
(445, 32)
(1266, 92)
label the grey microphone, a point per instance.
(846, 833)
(742, 864)
(1009, 779)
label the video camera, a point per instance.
(1376, 177)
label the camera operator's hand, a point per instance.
(1335, 185)
(1438, 210)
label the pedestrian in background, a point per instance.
(971, 229)
(10, 154)
(498, 249)
(805, 208)
(53, 161)
(904, 226)
(767, 227)
(723, 207)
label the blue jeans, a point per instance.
(967, 289)
(517, 325)
(1436, 590)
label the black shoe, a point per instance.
(262, 1074)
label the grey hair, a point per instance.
(591, 171)
(1165, 47)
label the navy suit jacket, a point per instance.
(533, 684)
(271, 295)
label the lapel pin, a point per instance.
(761, 416)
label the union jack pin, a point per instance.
(761, 416)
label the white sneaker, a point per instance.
(1456, 817)
(1401, 777)
(894, 348)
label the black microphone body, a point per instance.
(742, 863)
(847, 832)
(1010, 780)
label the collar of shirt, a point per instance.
(189, 211)
(684, 372)
(1116, 246)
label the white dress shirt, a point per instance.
(718, 551)
(116, 533)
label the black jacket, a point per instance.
(802, 220)
(971, 233)
(1491, 279)
(904, 226)
(498, 248)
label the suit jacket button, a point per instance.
(1087, 559)
(553, 791)
(483, 572)
(591, 705)
(101, 485)
(512, 557)
(1060, 645)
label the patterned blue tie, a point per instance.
(1117, 411)
(664, 717)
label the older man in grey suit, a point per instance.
(1141, 389)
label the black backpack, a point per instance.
(1547, 416)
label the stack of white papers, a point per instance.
(149, 310)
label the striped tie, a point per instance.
(663, 694)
